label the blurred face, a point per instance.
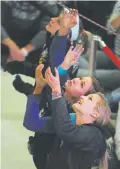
(78, 86)
(86, 105)
(53, 25)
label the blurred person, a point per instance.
(113, 24)
(27, 68)
(117, 134)
(23, 26)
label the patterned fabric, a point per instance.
(115, 13)
(22, 12)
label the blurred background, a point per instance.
(14, 153)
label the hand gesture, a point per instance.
(69, 19)
(72, 56)
(53, 81)
(40, 81)
(15, 52)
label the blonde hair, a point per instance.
(105, 113)
(104, 110)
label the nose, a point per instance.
(83, 97)
(52, 20)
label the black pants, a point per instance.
(44, 144)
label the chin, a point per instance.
(75, 107)
(47, 28)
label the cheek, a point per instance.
(74, 91)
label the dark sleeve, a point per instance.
(83, 137)
(32, 120)
(57, 50)
(57, 54)
(39, 39)
(51, 8)
(4, 34)
(5, 14)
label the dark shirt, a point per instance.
(29, 17)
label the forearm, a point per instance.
(62, 122)
(4, 36)
(32, 113)
(32, 120)
(39, 40)
(57, 50)
(116, 22)
(37, 90)
(64, 76)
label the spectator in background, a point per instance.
(113, 24)
(23, 26)
(117, 134)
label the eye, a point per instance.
(82, 84)
(90, 98)
(81, 78)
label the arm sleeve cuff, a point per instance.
(61, 70)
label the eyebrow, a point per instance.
(91, 96)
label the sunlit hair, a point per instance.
(104, 110)
(104, 118)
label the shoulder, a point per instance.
(94, 136)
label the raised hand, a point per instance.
(69, 19)
(72, 56)
(53, 81)
(15, 52)
(40, 81)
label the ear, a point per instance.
(95, 114)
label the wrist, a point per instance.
(8, 42)
(29, 48)
(64, 65)
(56, 94)
(63, 31)
(61, 70)
(24, 51)
(38, 90)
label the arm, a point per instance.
(58, 47)
(114, 22)
(40, 37)
(70, 133)
(4, 34)
(57, 50)
(32, 120)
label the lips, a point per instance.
(80, 101)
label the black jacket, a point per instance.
(27, 17)
(82, 145)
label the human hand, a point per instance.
(40, 81)
(15, 51)
(69, 19)
(72, 56)
(53, 81)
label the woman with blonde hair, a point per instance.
(84, 141)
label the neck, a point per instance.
(69, 97)
(81, 119)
